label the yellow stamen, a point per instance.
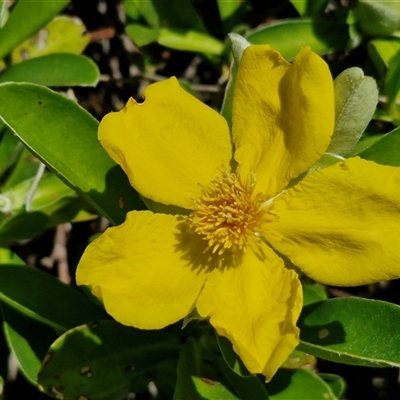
(229, 214)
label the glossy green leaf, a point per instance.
(26, 18)
(381, 51)
(10, 149)
(356, 97)
(9, 257)
(141, 34)
(239, 44)
(99, 359)
(43, 297)
(231, 358)
(386, 150)
(378, 17)
(52, 203)
(392, 83)
(63, 135)
(298, 359)
(173, 14)
(3, 18)
(247, 388)
(25, 167)
(365, 142)
(62, 35)
(313, 292)
(210, 390)
(131, 10)
(61, 69)
(309, 7)
(337, 384)
(194, 382)
(287, 36)
(352, 331)
(28, 340)
(190, 40)
(232, 13)
(300, 384)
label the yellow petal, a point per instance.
(255, 305)
(167, 145)
(341, 225)
(283, 115)
(137, 268)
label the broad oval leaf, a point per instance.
(336, 383)
(190, 40)
(352, 331)
(42, 297)
(385, 151)
(52, 203)
(299, 384)
(60, 69)
(141, 34)
(356, 97)
(98, 359)
(173, 14)
(63, 34)
(63, 136)
(287, 36)
(28, 340)
(26, 19)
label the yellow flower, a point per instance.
(220, 252)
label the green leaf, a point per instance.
(232, 13)
(26, 167)
(313, 292)
(44, 298)
(3, 19)
(26, 18)
(9, 257)
(172, 14)
(100, 359)
(61, 69)
(300, 384)
(10, 149)
(1, 379)
(356, 97)
(194, 382)
(298, 359)
(386, 150)
(62, 35)
(131, 10)
(63, 136)
(381, 51)
(392, 84)
(231, 358)
(239, 44)
(28, 340)
(210, 390)
(366, 141)
(336, 383)
(287, 36)
(352, 331)
(378, 17)
(226, 109)
(53, 203)
(141, 34)
(190, 40)
(247, 388)
(309, 7)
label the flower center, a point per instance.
(229, 213)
